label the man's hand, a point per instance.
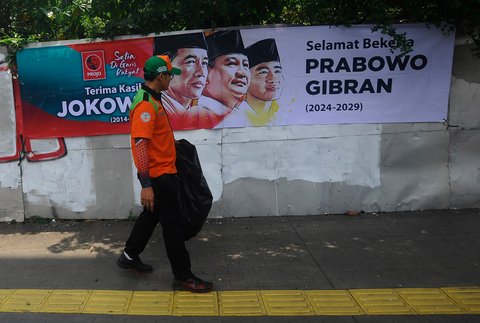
(147, 197)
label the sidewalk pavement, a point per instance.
(427, 249)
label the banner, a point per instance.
(240, 78)
(81, 89)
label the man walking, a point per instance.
(154, 154)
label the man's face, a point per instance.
(164, 80)
(229, 78)
(193, 63)
(267, 81)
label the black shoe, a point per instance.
(193, 284)
(134, 264)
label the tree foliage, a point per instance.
(24, 21)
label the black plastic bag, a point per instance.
(197, 198)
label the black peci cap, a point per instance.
(164, 44)
(263, 51)
(224, 42)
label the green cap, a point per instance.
(160, 64)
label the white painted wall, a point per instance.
(260, 171)
(11, 203)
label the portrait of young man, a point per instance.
(266, 83)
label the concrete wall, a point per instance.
(464, 149)
(260, 171)
(11, 202)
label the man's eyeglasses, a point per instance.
(170, 75)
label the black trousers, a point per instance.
(167, 211)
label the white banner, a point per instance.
(339, 75)
(241, 78)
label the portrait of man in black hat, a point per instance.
(188, 52)
(266, 83)
(228, 73)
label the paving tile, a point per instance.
(241, 303)
(66, 301)
(108, 302)
(333, 302)
(381, 302)
(151, 303)
(467, 297)
(429, 301)
(26, 300)
(5, 294)
(189, 304)
(286, 303)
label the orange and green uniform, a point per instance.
(150, 121)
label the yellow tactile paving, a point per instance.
(189, 304)
(467, 297)
(26, 300)
(381, 302)
(108, 302)
(66, 301)
(424, 301)
(151, 303)
(429, 301)
(4, 294)
(241, 303)
(333, 302)
(286, 303)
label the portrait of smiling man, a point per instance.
(267, 81)
(228, 75)
(187, 52)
